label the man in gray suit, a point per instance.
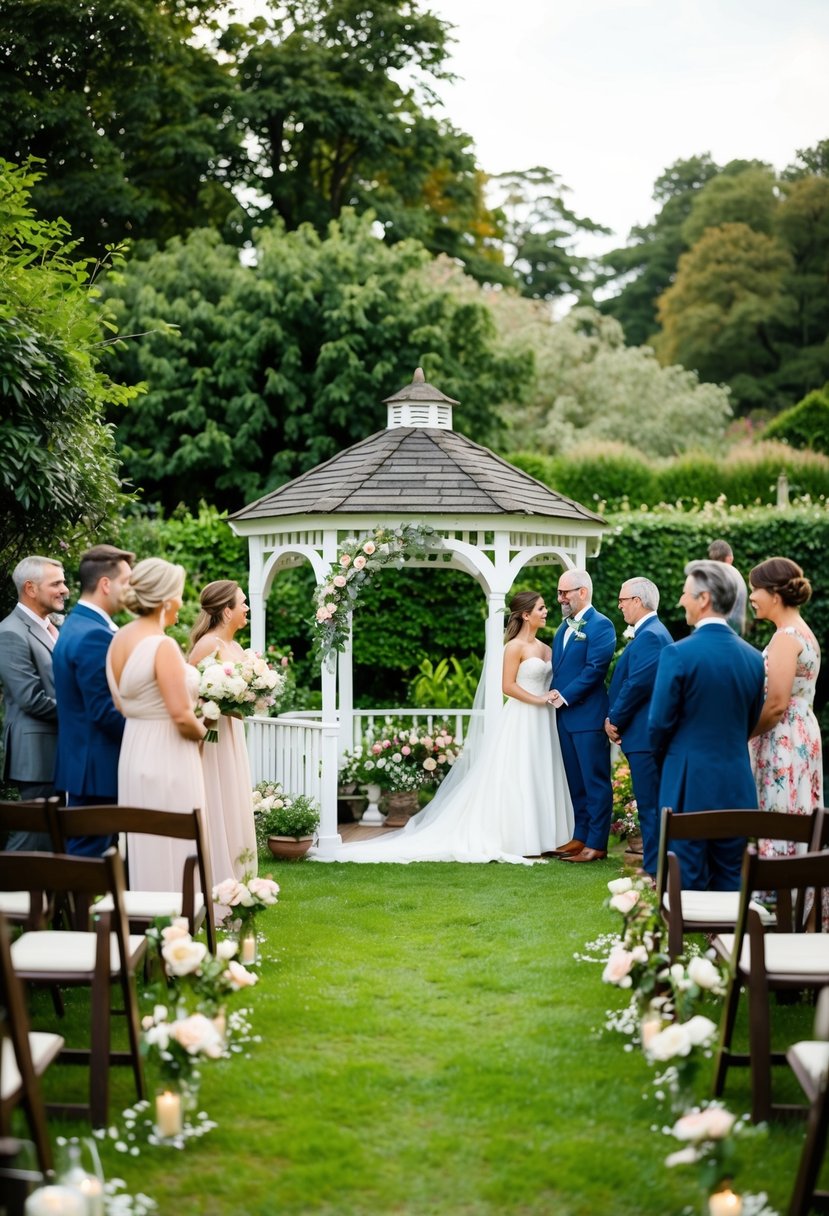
(30, 730)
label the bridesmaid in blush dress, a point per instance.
(228, 809)
(159, 766)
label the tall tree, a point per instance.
(274, 367)
(735, 196)
(59, 479)
(133, 121)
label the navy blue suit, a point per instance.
(89, 726)
(579, 672)
(706, 702)
(629, 694)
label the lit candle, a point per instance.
(168, 1113)
(94, 1192)
(650, 1027)
(248, 952)
(725, 1203)
(55, 1201)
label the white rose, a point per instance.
(183, 956)
(703, 972)
(618, 965)
(246, 900)
(712, 1123)
(210, 709)
(673, 1041)
(264, 889)
(684, 1156)
(158, 1036)
(226, 949)
(228, 893)
(239, 977)
(618, 885)
(640, 954)
(700, 1029)
(625, 902)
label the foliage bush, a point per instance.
(805, 425)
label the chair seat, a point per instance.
(18, 903)
(810, 1057)
(785, 953)
(714, 908)
(66, 953)
(147, 905)
(44, 1048)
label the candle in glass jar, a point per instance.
(93, 1190)
(168, 1113)
(725, 1203)
(55, 1201)
(248, 951)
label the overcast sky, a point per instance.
(608, 93)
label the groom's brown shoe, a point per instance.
(586, 855)
(572, 846)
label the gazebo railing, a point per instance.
(288, 748)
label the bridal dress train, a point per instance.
(158, 768)
(512, 805)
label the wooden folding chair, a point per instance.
(24, 1056)
(716, 911)
(37, 816)
(143, 907)
(100, 959)
(809, 1062)
(762, 962)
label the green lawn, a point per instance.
(429, 1045)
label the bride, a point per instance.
(507, 801)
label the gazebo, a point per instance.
(492, 520)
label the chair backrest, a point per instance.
(724, 825)
(36, 816)
(181, 825)
(788, 876)
(14, 1025)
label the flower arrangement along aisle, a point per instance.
(245, 899)
(401, 758)
(247, 686)
(710, 1135)
(357, 563)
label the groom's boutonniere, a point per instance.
(578, 628)
(629, 633)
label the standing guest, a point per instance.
(705, 705)
(89, 725)
(785, 747)
(227, 784)
(631, 688)
(160, 765)
(27, 639)
(582, 649)
(720, 551)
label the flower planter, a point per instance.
(400, 806)
(289, 848)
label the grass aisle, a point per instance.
(429, 1046)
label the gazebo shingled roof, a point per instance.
(431, 471)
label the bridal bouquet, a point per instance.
(246, 686)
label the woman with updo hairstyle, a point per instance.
(507, 797)
(159, 766)
(785, 747)
(228, 807)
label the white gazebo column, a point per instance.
(256, 594)
(329, 837)
(345, 688)
(494, 650)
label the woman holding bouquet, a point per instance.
(159, 766)
(228, 807)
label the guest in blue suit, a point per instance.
(582, 650)
(706, 702)
(631, 688)
(89, 725)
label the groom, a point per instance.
(582, 649)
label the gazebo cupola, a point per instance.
(420, 404)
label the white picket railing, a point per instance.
(288, 749)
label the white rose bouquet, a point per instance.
(247, 686)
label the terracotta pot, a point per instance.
(289, 848)
(400, 806)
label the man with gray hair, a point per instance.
(631, 688)
(706, 702)
(30, 730)
(720, 551)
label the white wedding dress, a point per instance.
(512, 805)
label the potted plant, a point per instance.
(285, 823)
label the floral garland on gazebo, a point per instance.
(357, 563)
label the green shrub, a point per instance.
(597, 475)
(805, 425)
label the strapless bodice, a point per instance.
(534, 675)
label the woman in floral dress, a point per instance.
(785, 748)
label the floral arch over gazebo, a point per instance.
(491, 520)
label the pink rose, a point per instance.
(617, 967)
(407, 751)
(625, 901)
(228, 893)
(197, 1035)
(238, 977)
(359, 562)
(376, 748)
(369, 547)
(345, 560)
(339, 580)
(284, 662)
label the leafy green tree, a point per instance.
(721, 314)
(277, 366)
(540, 233)
(748, 197)
(134, 121)
(340, 102)
(805, 425)
(59, 480)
